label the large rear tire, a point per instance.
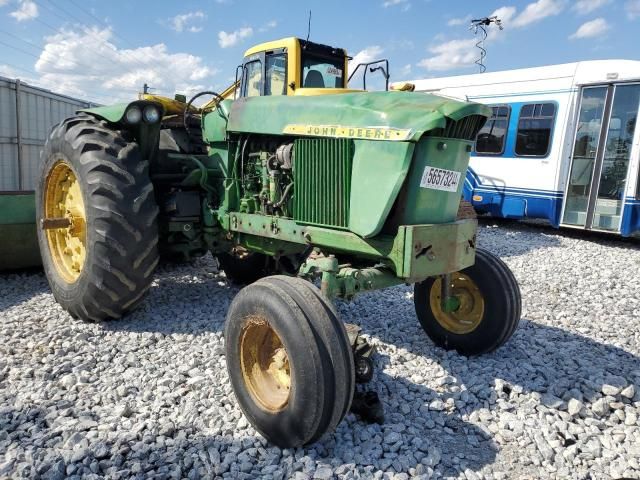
(101, 263)
(289, 360)
(489, 307)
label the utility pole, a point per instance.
(481, 25)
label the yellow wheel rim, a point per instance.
(468, 316)
(265, 365)
(63, 200)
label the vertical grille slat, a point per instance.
(322, 175)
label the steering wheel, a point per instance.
(187, 110)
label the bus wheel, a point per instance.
(289, 360)
(485, 311)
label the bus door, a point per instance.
(601, 158)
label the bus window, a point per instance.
(534, 129)
(252, 79)
(276, 77)
(322, 72)
(492, 137)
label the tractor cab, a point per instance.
(289, 66)
(292, 66)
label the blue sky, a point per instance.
(104, 51)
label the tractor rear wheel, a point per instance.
(486, 312)
(97, 214)
(289, 360)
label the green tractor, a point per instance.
(303, 189)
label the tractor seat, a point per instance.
(313, 80)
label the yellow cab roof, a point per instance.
(288, 42)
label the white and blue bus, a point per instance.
(562, 144)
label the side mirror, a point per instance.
(382, 66)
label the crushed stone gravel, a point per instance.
(148, 396)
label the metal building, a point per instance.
(27, 114)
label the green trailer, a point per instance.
(18, 240)
(303, 189)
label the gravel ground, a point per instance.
(148, 396)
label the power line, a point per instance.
(79, 7)
(122, 52)
(36, 73)
(49, 53)
(73, 17)
(41, 49)
(95, 52)
(81, 45)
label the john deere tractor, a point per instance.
(304, 190)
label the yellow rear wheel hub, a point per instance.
(468, 316)
(63, 200)
(265, 365)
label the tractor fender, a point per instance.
(115, 113)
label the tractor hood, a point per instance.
(386, 116)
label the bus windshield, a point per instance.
(322, 72)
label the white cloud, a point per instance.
(67, 66)
(632, 7)
(505, 14)
(536, 11)
(3, 3)
(369, 54)
(268, 26)
(454, 22)
(27, 10)
(226, 40)
(584, 7)
(404, 5)
(185, 21)
(451, 54)
(593, 28)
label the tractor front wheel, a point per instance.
(484, 311)
(289, 360)
(96, 216)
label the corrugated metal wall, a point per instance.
(22, 136)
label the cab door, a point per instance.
(264, 73)
(601, 163)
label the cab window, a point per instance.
(252, 79)
(322, 72)
(276, 75)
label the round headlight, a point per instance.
(133, 115)
(151, 114)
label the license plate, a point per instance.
(440, 179)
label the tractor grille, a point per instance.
(322, 178)
(466, 128)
